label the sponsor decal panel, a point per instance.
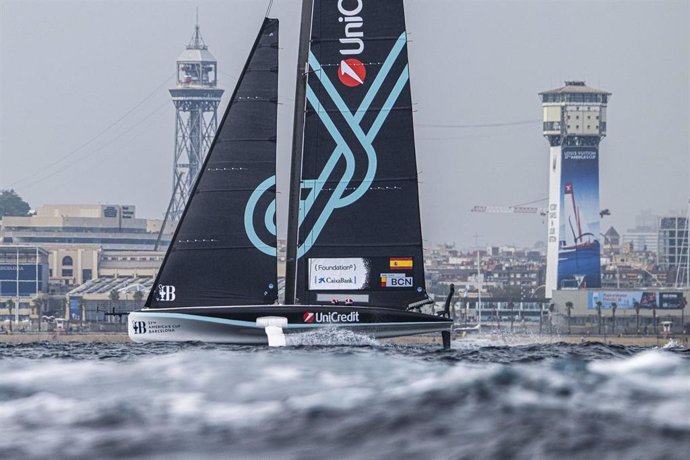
(338, 274)
(331, 317)
(579, 263)
(401, 263)
(627, 299)
(671, 299)
(153, 327)
(396, 280)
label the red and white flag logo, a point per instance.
(308, 317)
(351, 72)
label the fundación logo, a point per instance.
(331, 317)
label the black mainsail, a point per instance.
(224, 249)
(359, 232)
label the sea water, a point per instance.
(344, 396)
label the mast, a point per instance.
(297, 145)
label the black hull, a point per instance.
(240, 325)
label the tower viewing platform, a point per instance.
(575, 114)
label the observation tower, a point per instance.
(574, 124)
(196, 100)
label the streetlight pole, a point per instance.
(16, 308)
(479, 291)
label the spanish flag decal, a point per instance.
(401, 263)
(383, 280)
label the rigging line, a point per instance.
(98, 149)
(228, 75)
(530, 202)
(94, 138)
(482, 125)
(268, 10)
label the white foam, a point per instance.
(644, 362)
(330, 336)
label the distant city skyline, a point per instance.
(86, 116)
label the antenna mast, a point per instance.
(297, 146)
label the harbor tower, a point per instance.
(196, 100)
(574, 124)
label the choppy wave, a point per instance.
(358, 400)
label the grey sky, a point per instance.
(70, 69)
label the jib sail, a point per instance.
(359, 225)
(223, 251)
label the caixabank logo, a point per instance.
(333, 317)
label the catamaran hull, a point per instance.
(241, 325)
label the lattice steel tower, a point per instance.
(196, 100)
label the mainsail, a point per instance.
(359, 225)
(223, 251)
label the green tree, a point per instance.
(637, 315)
(10, 306)
(614, 307)
(599, 306)
(38, 310)
(114, 299)
(569, 308)
(12, 204)
(138, 296)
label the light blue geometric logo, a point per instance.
(338, 198)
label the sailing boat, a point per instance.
(354, 248)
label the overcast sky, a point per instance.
(86, 117)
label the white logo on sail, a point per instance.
(166, 293)
(345, 69)
(352, 22)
